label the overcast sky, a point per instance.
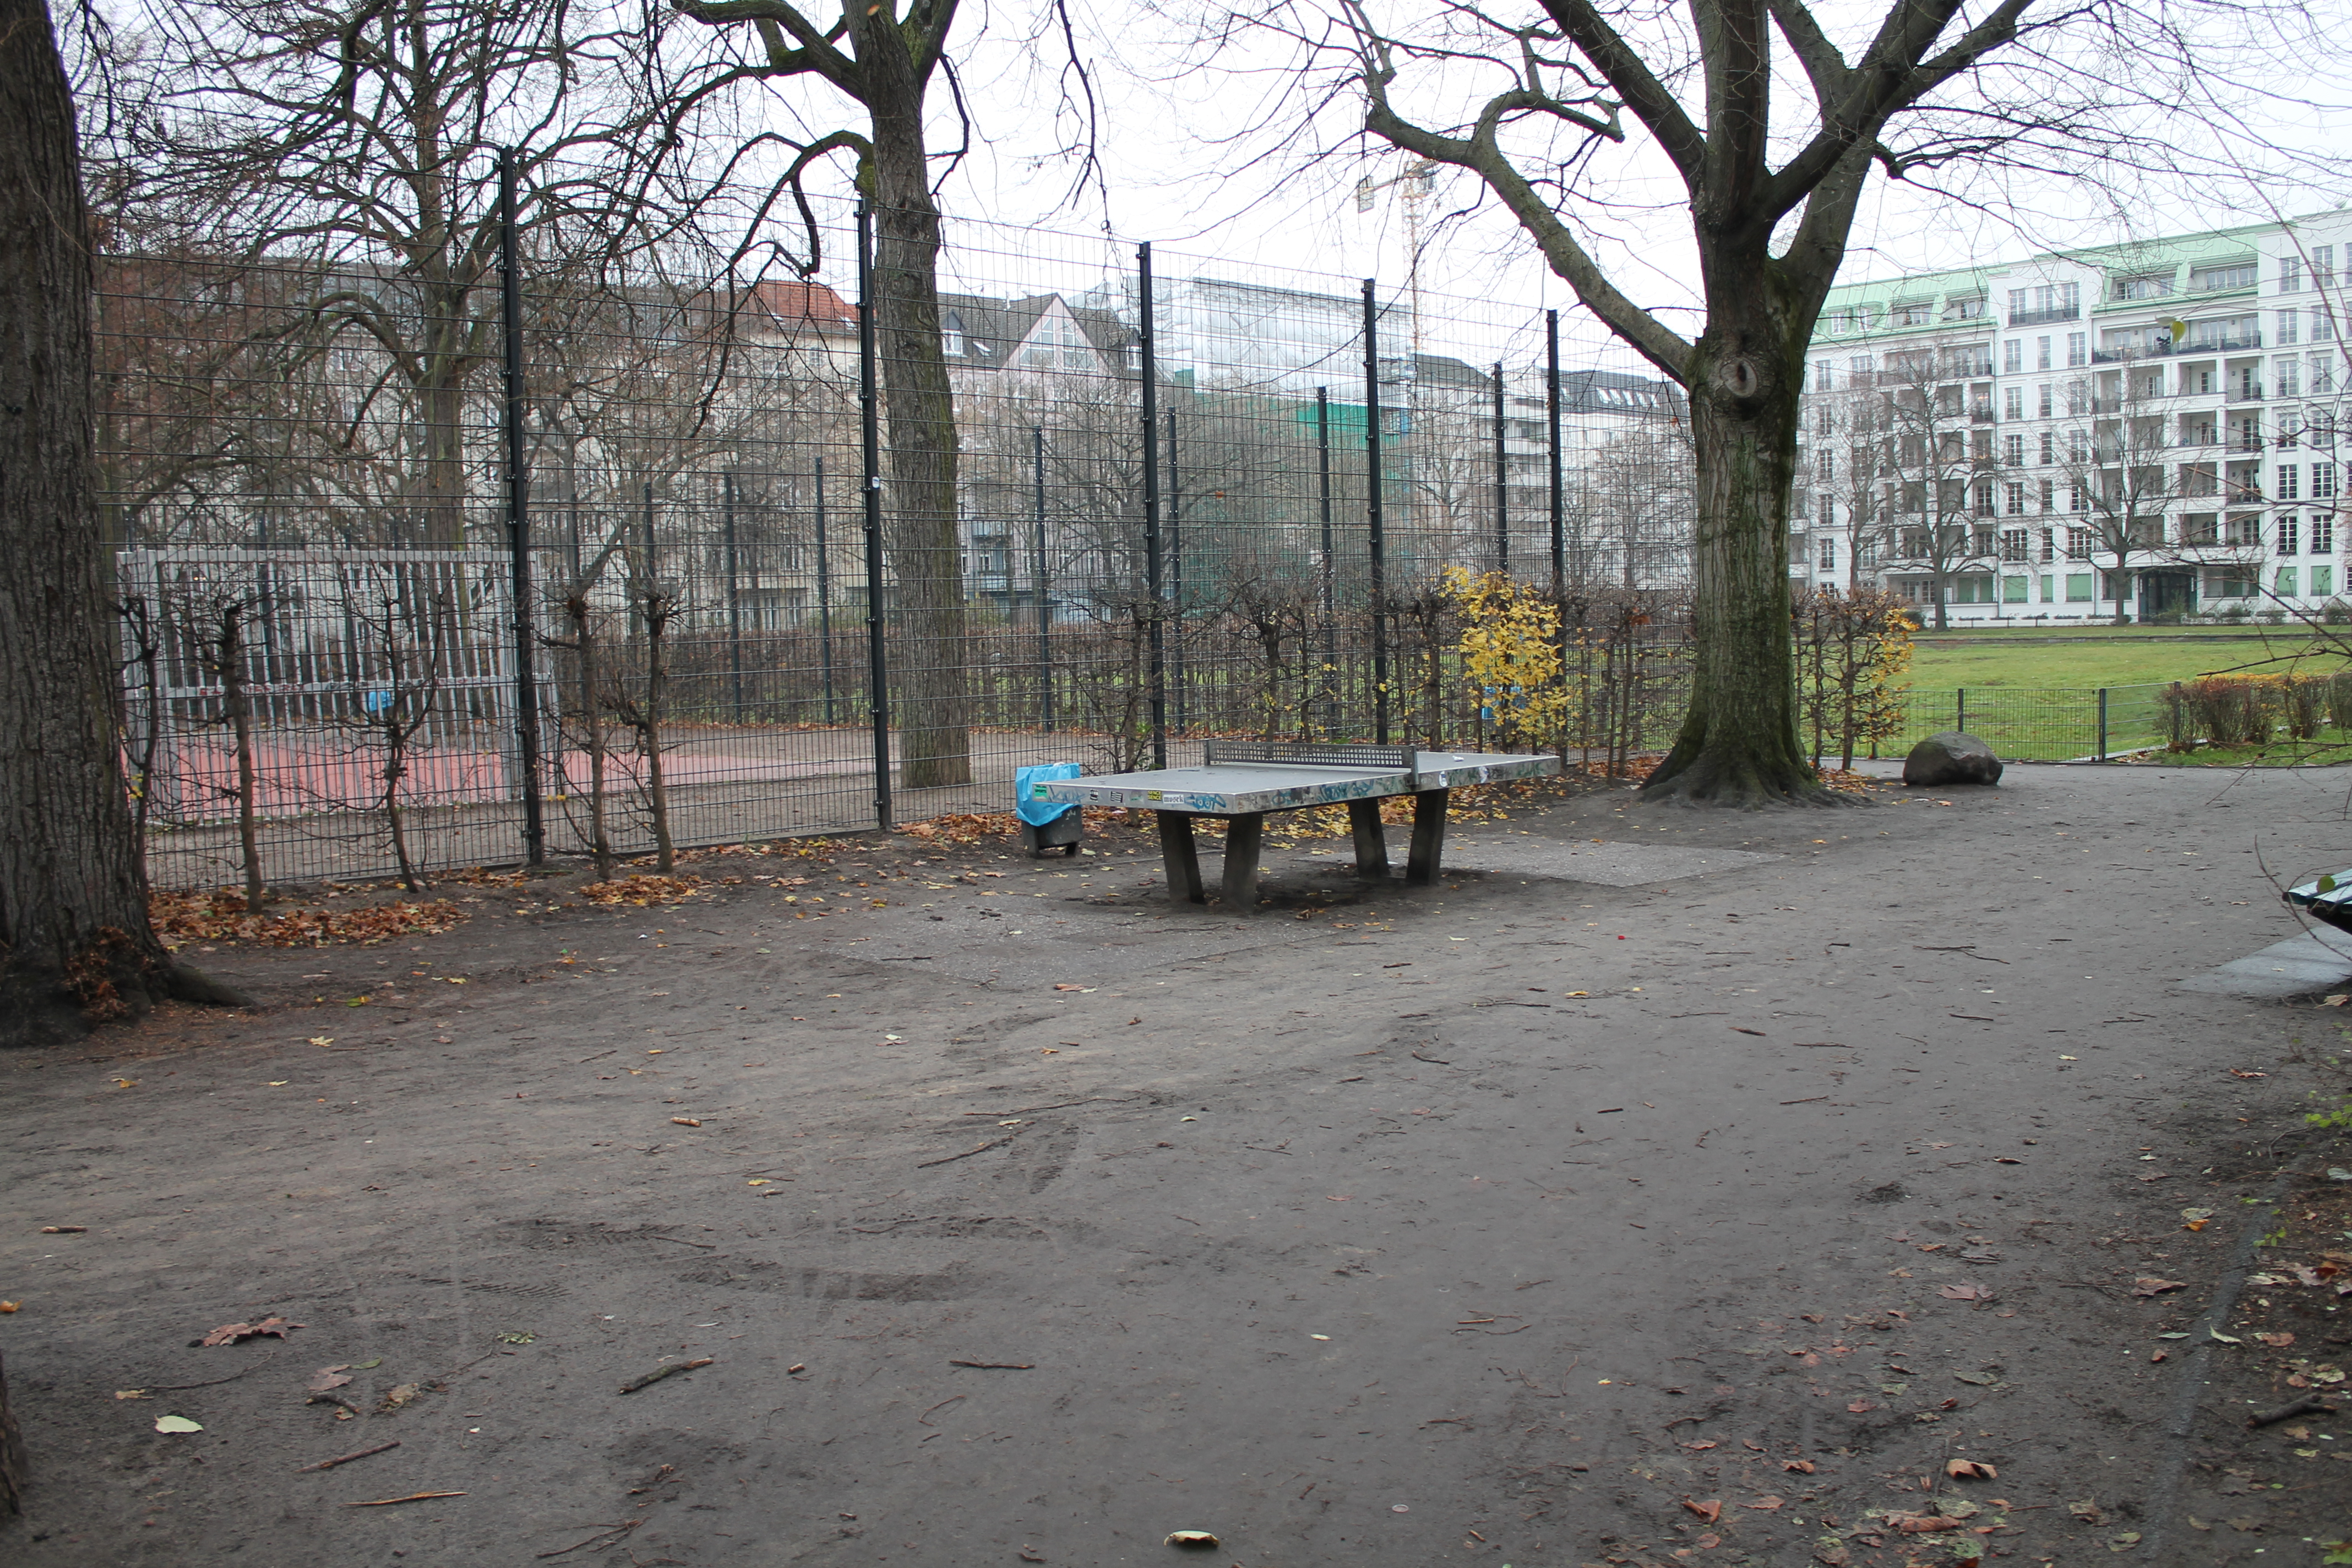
(1172, 173)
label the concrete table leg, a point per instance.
(1181, 857)
(1243, 838)
(1428, 837)
(1371, 842)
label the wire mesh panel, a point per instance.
(2043, 723)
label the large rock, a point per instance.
(1950, 757)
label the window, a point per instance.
(2286, 372)
(2290, 536)
(2041, 354)
(1984, 500)
(2049, 451)
(2013, 356)
(2322, 323)
(1971, 309)
(2228, 582)
(2323, 375)
(2078, 587)
(2016, 501)
(2078, 543)
(2322, 266)
(2249, 382)
(2013, 590)
(2287, 322)
(2013, 451)
(2014, 544)
(2200, 527)
(1829, 510)
(2049, 492)
(2323, 582)
(2049, 590)
(2323, 533)
(2323, 482)
(2290, 273)
(1823, 374)
(2149, 286)
(2012, 403)
(1912, 313)
(1828, 557)
(2078, 348)
(2289, 476)
(2235, 275)
(2284, 583)
(2078, 398)
(2078, 447)
(2042, 401)
(2076, 497)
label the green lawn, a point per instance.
(2121, 655)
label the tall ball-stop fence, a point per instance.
(601, 558)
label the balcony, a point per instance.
(2243, 394)
(1980, 416)
(2036, 318)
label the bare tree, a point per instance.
(882, 58)
(1938, 462)
(2115, 473)
(75, 941)
(1564, 83)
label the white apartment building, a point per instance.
(2145, 429)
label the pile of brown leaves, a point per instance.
(642, 891)
(965, 827)
(183, 918)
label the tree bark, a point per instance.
(1738, 743)
(926, 554)
(74, 942)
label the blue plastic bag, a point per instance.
(1029, 800)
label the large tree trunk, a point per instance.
(927, 563)
(1738, 743)
(75, 945)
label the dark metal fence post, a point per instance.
(1373, 518)
(823, 595)
(1502, 482)
(1155, 690)
(1961, 720)
(534, 827)
(1044, 607)
(1559, 488)
(1172, 515)
(878, 667)
(734, 593)
(1330, 569)
(2103, 723)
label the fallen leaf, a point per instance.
(1698, 1447)
(405, 1393)
(1860, 1407)
(684, 1121)
(2151, 1286)
(1193, 1540)
(1971, 1470)
(1965, 1293)
(2277, 1342)
(2087, 1511)
(175, 1423)
(1981, 1379)
(64, 1229)
(132, 1394)
(328, 1377)
(322, 1039)
(1833, 1555)
(1767, 1503)
(9, 1305)
(1802, 1467)
(231, 1333)
(1709, 1510)
(2125, 1541)
(2221, 1337)
(2247, 1526)
(1921, 1523)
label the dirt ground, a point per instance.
(1799, 1156)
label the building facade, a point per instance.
(2132, 431)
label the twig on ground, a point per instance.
(232, 1377)
(951, 1159)
(2308, 1404)
(413, 1497)
(662, 1372)
(347, 1458)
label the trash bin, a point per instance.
(1046, 824)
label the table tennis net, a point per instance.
(1312, 754)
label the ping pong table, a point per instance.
(1241, 781)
